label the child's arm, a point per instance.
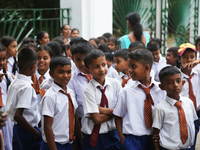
(118, 122)
(49, 132)
(99, 118)
(106, 111)
(78, 129)
(155, 140)
(192, 64)
(22, 121)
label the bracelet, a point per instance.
(122, 139)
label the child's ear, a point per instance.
(51, 73)
(159, 50)
(161, 87)
(86, 70)
(147, 67)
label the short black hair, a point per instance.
(59, 60)
(81, 46)
(91, 55)
(107, 35)
(123, 53)
(26, 58)
(75, 39)
(166, 71)
(109, 56)
(137, 45)
(143, 56)
(7, 40)
(62, 44)
(103, 47)
(30, 45)
(114, 40)
(102, 38)
(153, 46)
(174, 50)
(2, 48)
(56, 48)
(157, 40)
(95, 40)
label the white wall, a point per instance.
(91, 17)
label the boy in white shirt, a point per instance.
(136, 102)
(58, 108)
(99, 100)
(22, 104)
(112, 73)
(158, 61)
(167, 120)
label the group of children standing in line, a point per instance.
(100, 97)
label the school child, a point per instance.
(187, 54)
(171, 56)
(197, 44)
(158, 61)
(121, 65)
(103, 47)
(5, 80)
(65, 30)
(112, 44)
(102, 40)
(136, 45)
(177, 132)
(79, 77)
(74, 33)
(58, 108)
(44, 56)
(94, 41)
(42, 38)
(112, 73)
(136, 102)
(99, 99)
(11, 52)
(22, 104)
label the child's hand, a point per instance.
(191, 65)
(37, 135)
(3, 118)
(156, 138)
(1, 76)
(122, 142)
(13, 76)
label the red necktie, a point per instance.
(6, 66)
(124, 81)
(41, 79)
(183, 123)
(95, 132)
(1, 100)
(191, 92)
(147, 106)
(36, 86)
(88, 76)
(71, 116)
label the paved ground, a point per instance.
(198, 142)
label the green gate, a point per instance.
(21, 23)
(178, 19)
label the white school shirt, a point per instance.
(195, 84)
(92, 99)
(130, 105)
(21, 94)
(46, 75)
(10, 64)
(3, 85)
(158, 66)
(112, 73)
(56, 105)
(166, 118)
(77, 83)
(130, 81)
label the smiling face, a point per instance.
(156, 55)
(173, 85)
(43, 61)
(98, 69)
(61, 75)
(12, 49)
(2, 59)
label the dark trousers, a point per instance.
(24, 140)
(67, 146)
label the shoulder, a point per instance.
(123, 38)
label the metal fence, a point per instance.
(21, 23)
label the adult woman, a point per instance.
(136, 31)
(66, 32)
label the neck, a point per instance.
(24, 72)
(146, 81)
(176, 97)
(8, 56)
(42, 72)
(126, 73)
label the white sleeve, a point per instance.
(48, 106)
(157, 118)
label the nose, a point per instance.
(115, 65)
(82, 63)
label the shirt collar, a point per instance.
(193, 71)
(11, 60)
(172, 101)
(57, 88)
(96, 84)
(24, 77)
(46, 75)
